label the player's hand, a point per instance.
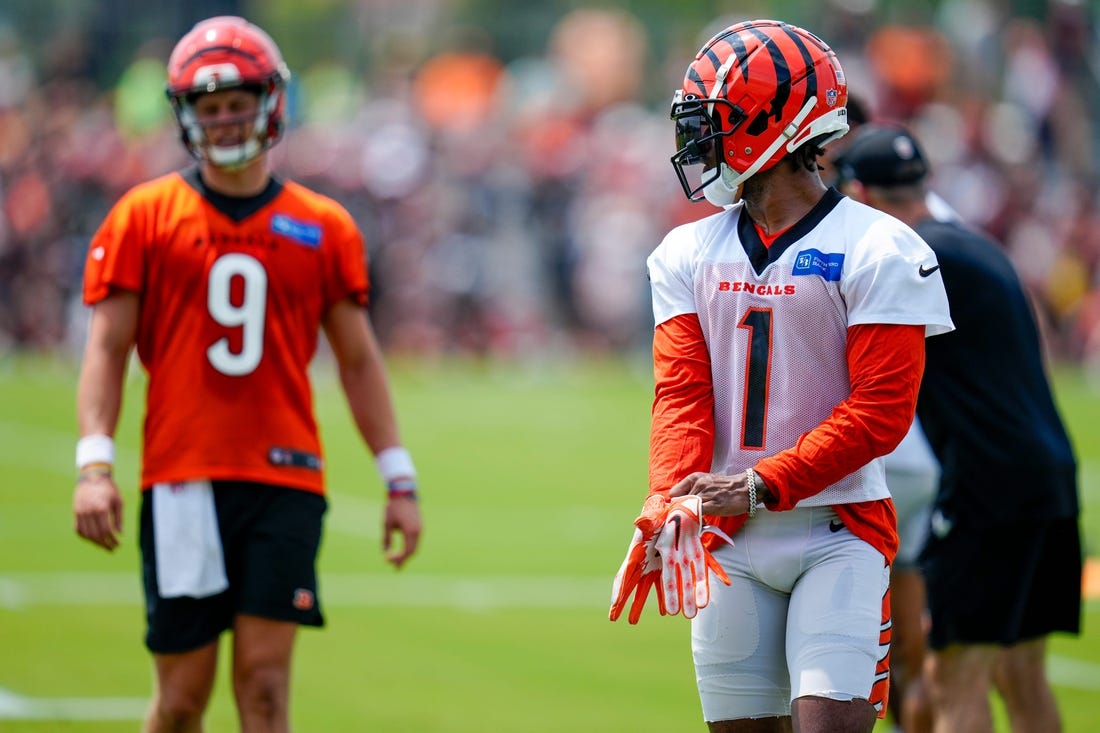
(641, 569)
(97, 510)
(402, 516)
(720, 495)
(685, 580)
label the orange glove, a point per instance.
(641, 569)
(685, 582)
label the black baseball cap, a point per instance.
(882, 155)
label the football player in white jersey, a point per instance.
(788, 351)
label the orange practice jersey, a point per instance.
(229, 320)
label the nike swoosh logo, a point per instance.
(676, 537)
(836, 525)
(926, 271)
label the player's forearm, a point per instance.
(99, 390)
(367, 391)
(682, 423)
(103, 371)
(362, 375)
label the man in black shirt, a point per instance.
(1003, 559)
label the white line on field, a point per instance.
(1063, 671)
(25, 591)
(1076, 673)
(21, 591)
(18, 707)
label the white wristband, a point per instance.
(394, 463)
(95, 449)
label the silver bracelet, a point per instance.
(750, 480)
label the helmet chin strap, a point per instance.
(725, 188)
(718, 191)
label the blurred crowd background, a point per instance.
(508, 161)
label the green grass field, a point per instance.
(530, 476)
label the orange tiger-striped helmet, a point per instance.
(755, 92)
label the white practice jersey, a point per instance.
(776, 319)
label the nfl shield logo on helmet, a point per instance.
(831, 97)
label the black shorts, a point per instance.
(1005, 584)
(270, 537)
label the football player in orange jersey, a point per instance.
(788, 350)
(222, 277)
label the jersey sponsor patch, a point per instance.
(815, 262)
(301, 232)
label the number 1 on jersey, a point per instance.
(758, 323)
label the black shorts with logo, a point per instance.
(270, 538)
(1004, 584)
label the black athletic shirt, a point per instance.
(985, 401)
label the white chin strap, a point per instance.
(719, 192)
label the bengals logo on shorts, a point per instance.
(303, 599)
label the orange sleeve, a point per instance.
(885, 364)
(116, 254)
(681, 439)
